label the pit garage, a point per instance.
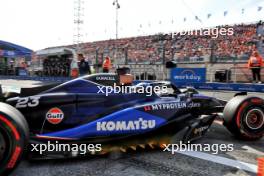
(14, 59)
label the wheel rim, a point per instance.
(255, 119)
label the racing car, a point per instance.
(89, 110)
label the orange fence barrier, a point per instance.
(260, 167)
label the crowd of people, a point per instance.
(157, 49)
(240, 44)
(162, 47)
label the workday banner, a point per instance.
(188, 75)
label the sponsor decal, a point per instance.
(139, 124)
(147, 108)
(168, 106)
(10, 53)
(257, 101)
(200, 130)
(225, 88)
(247, 89)
(105, 78)
(55, 116)
(188, 75)
(205, 87)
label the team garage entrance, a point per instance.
(14, 59)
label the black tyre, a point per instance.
(13, 138)
(244, 117)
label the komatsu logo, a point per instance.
(139, 124)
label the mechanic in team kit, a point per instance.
(107, 65)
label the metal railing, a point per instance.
(143, 71)
(238, 74)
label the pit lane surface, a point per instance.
(153, 162)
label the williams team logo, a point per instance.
(55, 116)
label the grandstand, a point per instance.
(200, 50)
(162, 47)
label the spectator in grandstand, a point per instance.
(107, 65)
(255, 62)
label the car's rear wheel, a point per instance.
(244, 117)
(13, 138)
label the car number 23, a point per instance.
(27, 102)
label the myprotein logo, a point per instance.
(189, 75)
(139, 124)
(169, 106)
(55, 116)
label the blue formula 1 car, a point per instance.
(107, 109)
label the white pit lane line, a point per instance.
(221, 160)
(252, 150)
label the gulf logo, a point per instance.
(55, 116)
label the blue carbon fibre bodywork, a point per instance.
(79, 85)
(126, 116)
(85, 112)
(201, 96)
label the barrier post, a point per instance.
(211, 75)
(235, 78)
(260, 167)
(227, 76)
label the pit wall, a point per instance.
(239, 71)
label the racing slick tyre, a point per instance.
(13, 138)
(244, 117)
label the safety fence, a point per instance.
(37, 78)
(233, 74)
(147, 71)
(236, 78)
(214, 86)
